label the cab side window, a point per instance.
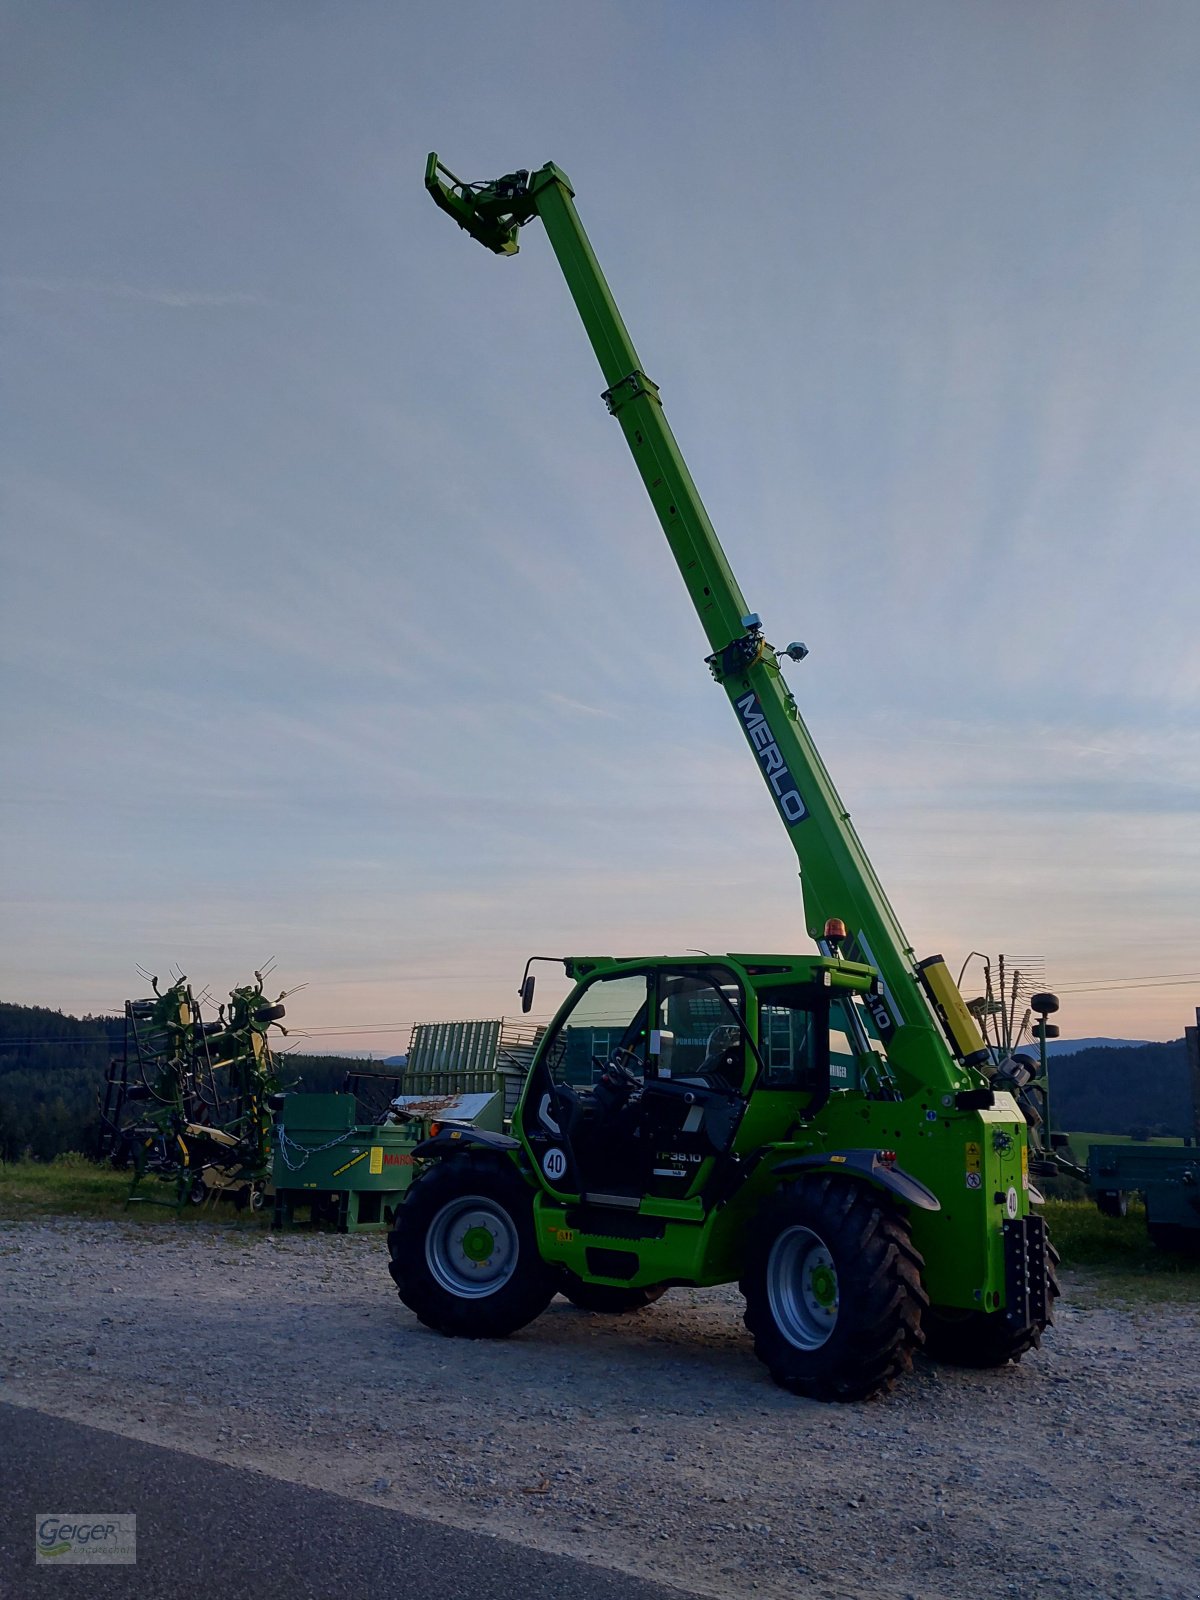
(787, 1040)
(700, 1015)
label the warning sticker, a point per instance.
(376, 1162)
(353, 1162)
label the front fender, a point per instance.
(867, 1165)
(448, 1140)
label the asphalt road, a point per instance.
(205, 1528)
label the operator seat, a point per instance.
(721, 1068)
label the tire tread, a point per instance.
(882, 1272)
(518, 1301)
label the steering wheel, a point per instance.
(616, 1084)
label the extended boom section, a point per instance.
(837, 878)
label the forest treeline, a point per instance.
(1139, 1089)
(52, 1067)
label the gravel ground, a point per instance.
(654, 1443)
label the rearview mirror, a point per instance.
(527, 993)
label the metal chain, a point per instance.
(305, 1151)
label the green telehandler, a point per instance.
(822, 1129)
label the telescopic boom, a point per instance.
(930, 1036)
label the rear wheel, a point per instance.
(604, 1297)
(463, 1252)
(833, 1290)
(984, 1338)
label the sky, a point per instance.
(336, 628)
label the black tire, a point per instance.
(1112, 1202)
(1174, 1236)
(983, 1338)
(833, 1290)
(485, 1281)
(605, 1298)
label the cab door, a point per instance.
(576, 1128)
(694, 1096)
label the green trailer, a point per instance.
(352, 1175)
(346, 1159)
(1167, 1177)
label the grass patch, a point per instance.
(69, 1186)
(73, 1186)
(1119, 1249)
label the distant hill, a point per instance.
(1068, 1047)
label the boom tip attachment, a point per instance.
(489, 212)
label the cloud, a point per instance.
(577, 705)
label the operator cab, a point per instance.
(642, 1083)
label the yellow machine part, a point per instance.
(964, 1036)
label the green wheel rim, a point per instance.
(802, 1288)
(471, 1247)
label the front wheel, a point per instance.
(833, 1290)
(464, 1256)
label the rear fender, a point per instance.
(868, 1166)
